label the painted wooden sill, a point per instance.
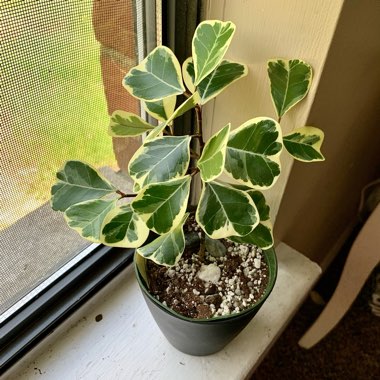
(127, 344)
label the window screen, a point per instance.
(62, 62)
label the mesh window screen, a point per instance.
(57, 87)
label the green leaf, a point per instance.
(160, 159)
(261, 236)
(290, 82)
(253, 152)
(78, 182)
(210, 42)
(211, 162)
(187, 105)
(161, 109)
(126, 124)
(260, 203)
(304, 144)
(224, 75)
(225, 211)
(162, 205)
(156, 132)
(156, 77)
(166, 249)
(123, 228)
(87, 217)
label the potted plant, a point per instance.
(230, 233)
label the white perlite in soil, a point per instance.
(214, 286)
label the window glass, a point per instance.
(58, 86)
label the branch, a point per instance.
(124, 195)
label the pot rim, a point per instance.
(269, 253)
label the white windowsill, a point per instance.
(127, 344)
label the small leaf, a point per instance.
(187, 105)
(123, 228)
(87, 217)
(304, 144)
(78, 182)
(162, 205)
(261, 236)
(224, 75)
(126, 124)
(215, 247)
(166, 249)
(290, 82)
(211, 162)
(156, 132)
(253, 152)
(160, 159)
(188, 74)
(224, 211)
(158, 76)
(161, 109)
(210, 42)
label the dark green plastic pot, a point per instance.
(201, 336)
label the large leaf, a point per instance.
(78, 182)
(224, 75)
(87, 217)
(162, 205)
(211, 162)
(290, 81)
(122, 227)
(166, 249)
(253, 152)
(225, 211)
(304, 144)
(210, 42)
(261, 236)
(126, 124)
(160, 159)
(161, 109)
(156, 77)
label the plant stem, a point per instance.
(199, 131)
(124, 195)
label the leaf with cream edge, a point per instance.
(210, 42)
(160, 159)
(290, 82)
(156, 77)
(122, 227)
(87, 217)
(156, 132)
(162, 205)
(78, 182)
(304, 144)
(261, 235)
(223, 76)
(211, 162)
(253, 153)
(161, 109)
(224, 211)
(187, 105)
(127, 124)
(167, 249)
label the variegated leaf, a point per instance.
(290, 81)
(261, 236)
(162, 205)
(187, 105)
(122, 227)
(224, 211)
(127, 124)
(87, 217)
(253, 152)
(156, 77)
(161, 109)
(304, 144)
(78, 182)
(224, 75)
(211, 162)
(261, 204)
(156, 132)
(160, 160)
(166, 249)
(210, 42)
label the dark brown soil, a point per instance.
(242, 281)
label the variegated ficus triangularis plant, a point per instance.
(165, 165)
